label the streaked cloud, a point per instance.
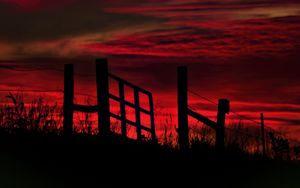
(246, 51)
(62, 28)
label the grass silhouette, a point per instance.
(34, 153)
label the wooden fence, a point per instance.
(103, 105)
(104, 113)
(184, 111)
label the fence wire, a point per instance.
(245, 133)
(239, 129)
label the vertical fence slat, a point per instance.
(103, 96)
(183, 130)
(122, 109)
(68, 99)
(152, 118)
(137, 114)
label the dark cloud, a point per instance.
(73, 20)
(264, 80)
(3, 67)
(231, 50)
(288, 122)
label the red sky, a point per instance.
(246, 51)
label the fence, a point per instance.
(184, 111)
(103, 106)
(263, 136)
(266, 139)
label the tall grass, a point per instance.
(239, 137)
(45, 118)
(38, 116)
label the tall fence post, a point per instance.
(68, 99)
(223, 109)
(182, 101)
(262, 121)
(103, 96)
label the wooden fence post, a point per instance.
(223, 109)
(263, 133)
(103, 97)
(68, 99)
(182, 101)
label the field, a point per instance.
(35, 153)
(34, 160)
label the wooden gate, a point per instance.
(103, 106)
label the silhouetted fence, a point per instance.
(184, 111)
(136, 105)
(103, 105)
(278, 145)
(267, 138)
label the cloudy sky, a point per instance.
(246, 51)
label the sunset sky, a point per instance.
(245, 50)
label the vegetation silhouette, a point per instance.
(42, 146)
(35, 153)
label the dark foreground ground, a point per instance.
(85, 161)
